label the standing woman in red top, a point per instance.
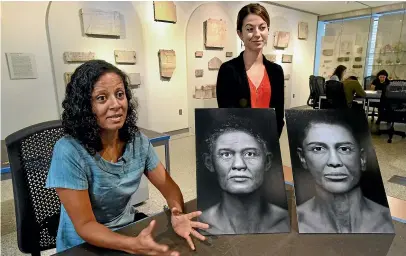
(250, 80)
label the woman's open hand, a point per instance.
(184, 226)
(144, 243)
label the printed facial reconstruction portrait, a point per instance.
(240, 183)
(338, 184)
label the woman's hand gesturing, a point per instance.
(184, 226)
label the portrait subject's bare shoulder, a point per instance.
(381, 216)
(305, 208)
(210, 216)
(279, 220)
(308, 219)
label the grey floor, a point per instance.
(391, 158)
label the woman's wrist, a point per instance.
(129, 244)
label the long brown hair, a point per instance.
(256, 9)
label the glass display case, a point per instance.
(389, 52)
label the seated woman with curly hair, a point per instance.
(97, 166)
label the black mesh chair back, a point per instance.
(393, 103)
(367, 82)
(316, 84)
(320, 85)
(37, 208)
(396, 90)
(335, 94)
(311, 100)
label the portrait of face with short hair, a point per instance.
(240, 184)
(338, 184)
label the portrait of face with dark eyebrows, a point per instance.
(338, 184)
(240, 184)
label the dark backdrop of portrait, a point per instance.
(262, 121)
(371, 180)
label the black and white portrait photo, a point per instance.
(338, 184)
(240, 183)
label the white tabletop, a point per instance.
(373, 94)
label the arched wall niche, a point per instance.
(195, 42)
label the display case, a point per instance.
(389, 52)
(365, 45)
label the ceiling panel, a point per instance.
(331, 7)
(379, 3)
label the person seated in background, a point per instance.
(97, 167)
(379, 84)
(339, 73)
(381, 81)
(352, 86)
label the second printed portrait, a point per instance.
(338, 184)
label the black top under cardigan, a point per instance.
(233, 90)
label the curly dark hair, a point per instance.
(78, 119)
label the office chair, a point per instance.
(37, 208)
(317, 89)
(393, 102)
(335, 94)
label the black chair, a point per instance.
(310, 99)
(335, 94)
(37, 208)
(393, 103)
(317, 89)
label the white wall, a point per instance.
(161, 100)
(65, 33)
(165, 98)
(30, 101)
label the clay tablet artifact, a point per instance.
(67, 76)
(165, 11)
(198, 54)
(359, 50)
(215, 33)
(199, 72)
(215, 63)
(167, 62)
(270, 57)
(281, 39)
(135, 79)
(199, 93)
(303, 30)
(328, 52)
